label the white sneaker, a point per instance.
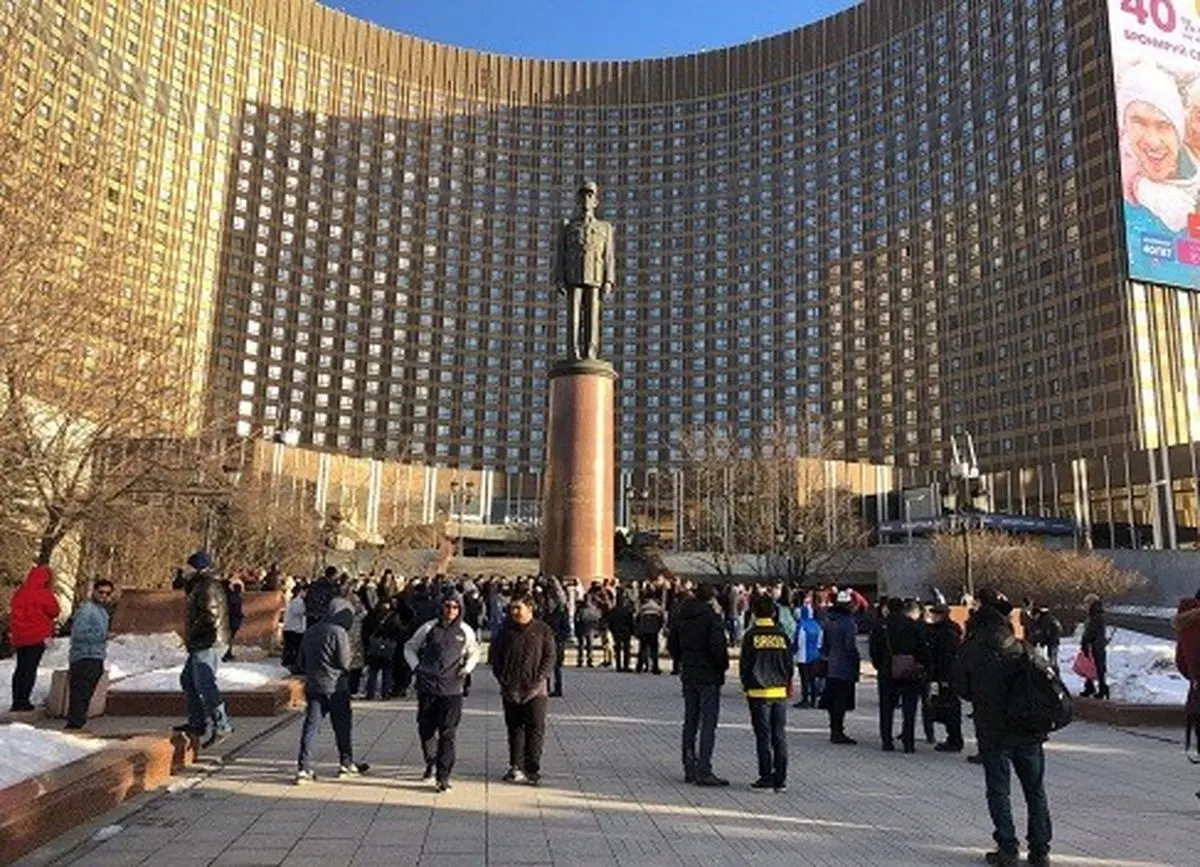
(305, 777)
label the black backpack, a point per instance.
(1038, 703)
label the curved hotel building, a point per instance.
(904, 220)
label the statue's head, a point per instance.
(587, 196)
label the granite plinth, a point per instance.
(577, 526)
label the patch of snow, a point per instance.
(107, 833)
(1141, 668)
(230, 676)
(1159, 611)
(128, 656)
(29, 751)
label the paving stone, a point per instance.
(612, 793)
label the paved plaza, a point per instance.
(613, 793)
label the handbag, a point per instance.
(904, 665)
(1085, 666)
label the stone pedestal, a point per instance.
(577, 505)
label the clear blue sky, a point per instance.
(591, 29)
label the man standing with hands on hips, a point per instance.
(441, 654)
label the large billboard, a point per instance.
(1156, 61)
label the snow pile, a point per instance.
(1159, 611)
(132, 655)
(1141, 668)
(28, 751)
(127, 655)
(230, 676)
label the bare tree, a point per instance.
(87, 362)
(189, 495)
(768, 497)
(1024, 568)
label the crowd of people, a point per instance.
(797, 648)
(379, 638)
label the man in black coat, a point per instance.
(523, 658)
(945, 638)
(898, 640)
(987, 665)
(696, 642)
(206, 636)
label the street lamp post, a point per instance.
(464, 492)
(964, 470)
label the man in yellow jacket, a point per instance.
(766, 669)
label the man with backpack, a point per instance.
(1017, 702)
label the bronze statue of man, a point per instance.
(585, 269)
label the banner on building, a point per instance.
(1156, 62)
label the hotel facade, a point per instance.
(904, 221)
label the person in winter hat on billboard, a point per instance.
(1157, 171)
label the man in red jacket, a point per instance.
(34, 610)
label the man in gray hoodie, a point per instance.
(441, 654)
(325, 658)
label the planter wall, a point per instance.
(36, 810)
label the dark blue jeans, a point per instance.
(1029, 762)
(768, 717)
(199, 682)
(377, 671)
(337, 708)
(701, 710)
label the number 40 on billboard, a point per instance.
(1161, 12)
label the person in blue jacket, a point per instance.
(89, 648)
(806, 649)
